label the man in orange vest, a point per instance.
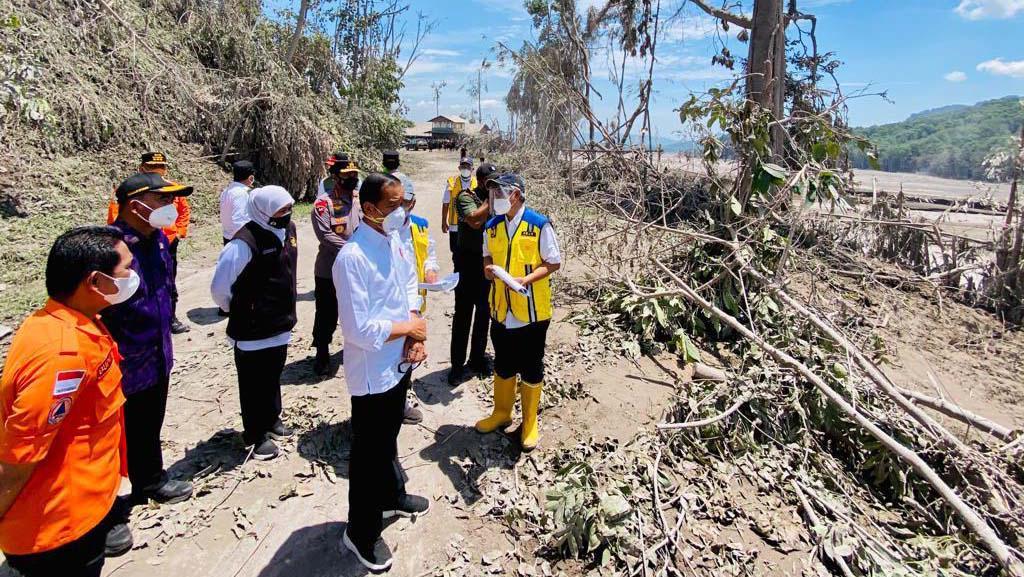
(156, 162)
(61, 423)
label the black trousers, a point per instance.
(520, 351)
(471, 309)
(453, 244)
(326, 318)
(82, 557)
(376, 481)
(143, 419)
(259, 390)
(173, 249)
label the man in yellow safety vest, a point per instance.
(519, 245)
(449, 214)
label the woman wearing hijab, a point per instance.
(255, 281)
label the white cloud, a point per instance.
(956, 76)
(490, 103)
(439, 52)
(999, 67)
(690, 28)
(981, 9)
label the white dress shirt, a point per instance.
(549, 252)
(376, 286)
(234, 209)
(232, 261)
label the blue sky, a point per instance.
(923, 53)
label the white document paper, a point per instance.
(508, 280)
(447, 284)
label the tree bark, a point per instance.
(766, 65)
(300, 24)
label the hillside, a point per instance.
(207, 84)
(950, 142)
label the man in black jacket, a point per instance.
(255, 281)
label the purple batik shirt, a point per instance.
(142, 324)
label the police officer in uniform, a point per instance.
(523, 243)
(335, 217)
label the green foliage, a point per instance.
(951, 142)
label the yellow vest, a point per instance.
(519, 257)
(421, 245)
(454, 188)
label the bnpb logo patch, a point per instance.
(59, 410)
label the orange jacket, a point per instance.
(180, 227)
(60, 408)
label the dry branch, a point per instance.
(961, 414)
(985, 534)
(710, 420)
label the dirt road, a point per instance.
(286, 517)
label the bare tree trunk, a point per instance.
(300, 24)
(766, 64)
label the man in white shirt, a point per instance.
(522, 242)
(255, 281)
(384, 340)
(234, 200)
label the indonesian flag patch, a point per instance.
(67, 382)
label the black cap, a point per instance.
(144, 182)
(154, 158)
(340, 162)
(337, 157)
(390, 155)
(485, 171)
(242, 169)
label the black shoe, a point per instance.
(265, 450)
(280, 431)
(322, 363)
(178, 327)
(411, 506)
(482, 367)
(376, 557)
(119, 540)
(223, 313)
(168, 493)
(456, 376)
(413, 416)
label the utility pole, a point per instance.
(437, 87)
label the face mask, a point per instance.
(162, 217)
(126, 287)
(502, 206)
(280, 221)
(465, 172)
(394, 221)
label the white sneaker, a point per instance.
(377, 559)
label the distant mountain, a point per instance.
(951, 141)
(940, 110)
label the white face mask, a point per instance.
(465, 172)
(394, 221)
(126, 287)
(502, 206)
(162, 217)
